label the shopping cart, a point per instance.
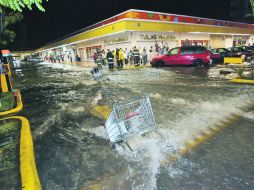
(130, 118)
(96, 73)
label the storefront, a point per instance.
(90, 52)
(81, 53)
(153, 30)
(240, 40)
(218, 41)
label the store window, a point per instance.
(90, 51)
(195, 43)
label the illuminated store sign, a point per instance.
(155, 37)
(116, 40)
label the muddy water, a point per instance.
(73, 151)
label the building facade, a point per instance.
(145, 29)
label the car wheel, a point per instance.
(159, 64)
(198, 64)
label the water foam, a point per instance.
(205, 115)
(156, 95)
(151, 151)
(96, 99)
(249, 115)
(67, 67)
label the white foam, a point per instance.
(249, 115)
(97, 98)
(98, 131)
(179, 101)
(64, 66)
(156, 95)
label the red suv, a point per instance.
(186, 55)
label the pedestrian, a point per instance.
(136, 56)
(99, 61)
(151, 52)
(140, 56)
(130, 57)
(120, 58)
(162, 46)
(126, 56)
(144, 56)
(110, 59)
(70, 56)
(186, 43)
(95, 56)
(166, 48)
(156, 47)
(62, 57)
(103, 57)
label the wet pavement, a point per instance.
(73, 151)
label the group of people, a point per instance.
(120, 57)
(160, 48)
(61, 57)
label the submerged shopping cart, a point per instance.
(96, 73)
(130, 118)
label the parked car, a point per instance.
(240, 51)
(189, 55)
(222, 51)
(215, 57)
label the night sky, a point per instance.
(63, 17)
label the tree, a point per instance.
(18, 5)
(252, 6)
(10, 18)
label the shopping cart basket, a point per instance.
(130, 118)
(96, 73)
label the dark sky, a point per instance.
(65, 16)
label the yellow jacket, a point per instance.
(121, 55)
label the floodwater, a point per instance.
(73, 151)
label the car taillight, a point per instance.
(208, 57)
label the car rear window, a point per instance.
(200, 49)
(193, 50)
(187, 50)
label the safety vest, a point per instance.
(110, 60)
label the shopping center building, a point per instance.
(144, 28)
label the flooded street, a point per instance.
(73, 151)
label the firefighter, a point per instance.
(110, 59)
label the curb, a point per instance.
(28, 171)
(17, 108)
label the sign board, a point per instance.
(116, 40)
(157, 37)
